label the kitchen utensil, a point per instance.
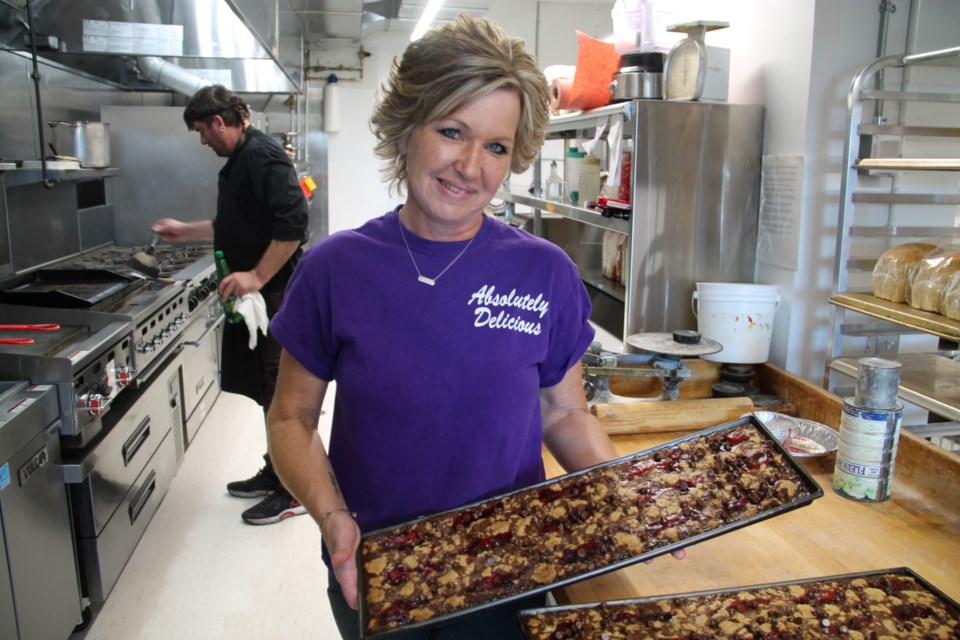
(17, 341)
(146, 261)
(87, 141)
(30, 327)
(686, 68)
(640, 76)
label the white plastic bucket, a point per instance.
(738, 316)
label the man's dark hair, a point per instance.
(215, 100)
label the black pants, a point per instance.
(497, 623)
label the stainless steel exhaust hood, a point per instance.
(252, 46)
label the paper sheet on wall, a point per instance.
(781, 191)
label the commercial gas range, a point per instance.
(131, 360)
(117, 326)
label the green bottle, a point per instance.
(230, 306)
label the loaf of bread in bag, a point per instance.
(892, 271)
(931, 276)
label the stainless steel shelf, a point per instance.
(906, 198)
(586, 216)
(570, 123)
(899, 313)
(929, 380)
(19, 177)
(901, 130)
(913, 96)
(599, 281)
(908, 164)
(896, 231)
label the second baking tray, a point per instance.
(809, 608)
(407, 551)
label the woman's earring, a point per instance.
(222, 129)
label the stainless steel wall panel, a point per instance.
(43, 224)
(166, 172)
(96, 227)
(696, 205)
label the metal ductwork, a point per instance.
(170, 75)
(249, 45)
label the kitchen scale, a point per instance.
(685, 73)
(662, 360)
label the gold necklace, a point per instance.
(420, 277)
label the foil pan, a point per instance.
(527, 614)
(800, 437)
(811, 487)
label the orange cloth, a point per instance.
(597, 63)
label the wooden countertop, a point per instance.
(919, 527)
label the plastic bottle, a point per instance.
(571, 174)
(554, 184)
(230, 306)
(589, 180)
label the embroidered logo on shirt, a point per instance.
(492, 310)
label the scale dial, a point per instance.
(685, 71)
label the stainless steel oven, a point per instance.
(117, 482)
(119, 363)
(201, 353)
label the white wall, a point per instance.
(796, 57)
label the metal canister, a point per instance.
(869, 431)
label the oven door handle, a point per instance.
(210, 327)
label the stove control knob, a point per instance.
(192, 302)
(145, 347)
(125, 376)
(95, 403)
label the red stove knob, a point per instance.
(125, 376)
(95, 403)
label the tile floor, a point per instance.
(200, 572)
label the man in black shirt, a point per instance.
(260, 226)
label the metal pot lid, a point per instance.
(677, 343)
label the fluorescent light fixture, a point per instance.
(429, 13)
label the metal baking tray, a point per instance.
(899, 571)
(814, 491)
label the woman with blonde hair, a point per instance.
(454, 339)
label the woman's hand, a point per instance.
(342, 537)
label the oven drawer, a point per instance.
(102, 558)
(101, 474)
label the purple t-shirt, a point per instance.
(437, 387)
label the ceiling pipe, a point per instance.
(158, 70)
(170, 75)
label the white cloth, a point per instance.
(254, 311)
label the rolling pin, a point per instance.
(669, 415)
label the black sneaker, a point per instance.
(262, 484)
(274, 508)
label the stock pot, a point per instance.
(88, 142)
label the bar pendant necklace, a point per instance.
(420, 277)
